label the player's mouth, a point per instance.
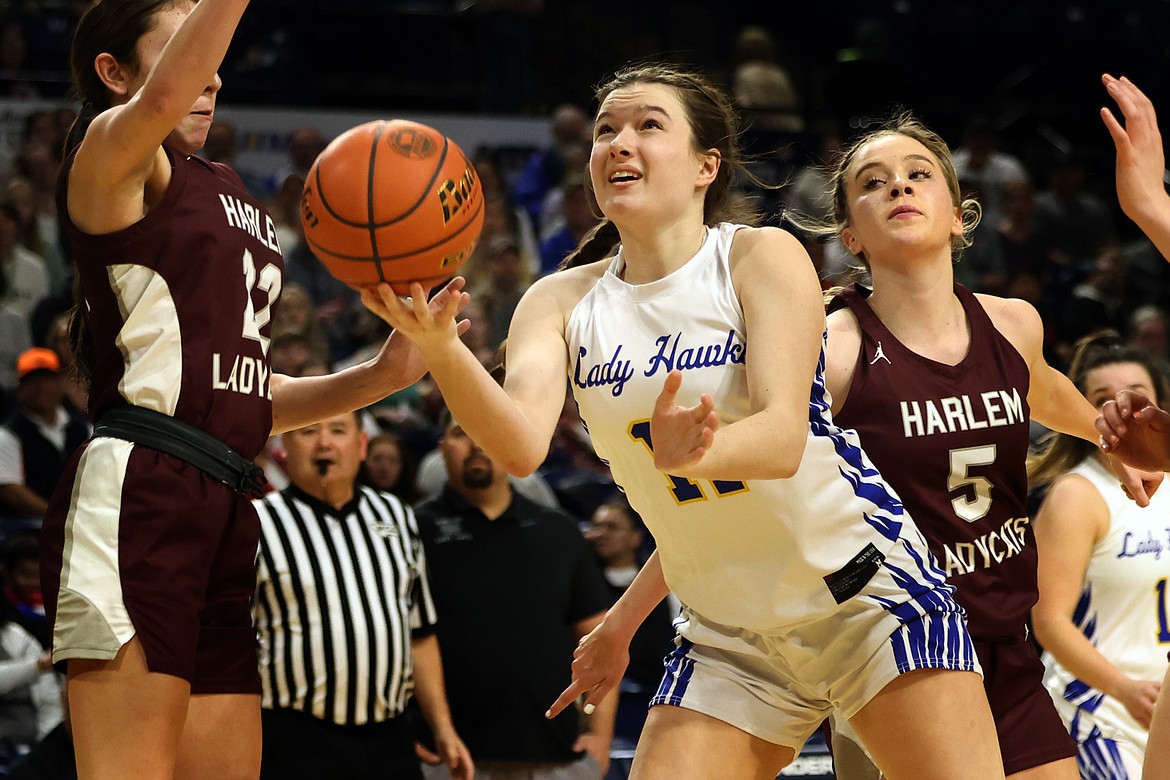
(624, 175)
(905, 212)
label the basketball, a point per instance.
(392, 201)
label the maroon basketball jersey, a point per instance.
(180, 305)
(952, 441)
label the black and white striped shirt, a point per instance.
(338, 595)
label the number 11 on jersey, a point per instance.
(684, 490)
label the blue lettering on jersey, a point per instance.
(613, 372)
(670, 357)
(1132, 547)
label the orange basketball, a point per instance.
(392, 201)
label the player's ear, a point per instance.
(114, 74)
(851, 242)
(709, 163)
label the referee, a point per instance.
(345, 621)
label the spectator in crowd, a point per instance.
(297, 315)
(1102, 582)
(51, 758)
(985, 168)
(1149, 332)
(21, 577)
(506, 213)
(501, 286)
(552, 213)
(809, 197)
(389, 466)
(16, 79)
(57, 339)
(1020, 245)
(345, 621)
(762, 86)
(982, 267)
(30, 693)
(619, 540)
(39, 164)
(37, 441)
(580, 215)
(547, 166)
(304, 144)
(222, 146)
(1074, 225)
(14, 340)
(516, 587)
(433, 479)
(1099, 302)
(19, 192)
(28, 279)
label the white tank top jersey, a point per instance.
(1122, 609)
(753, 555)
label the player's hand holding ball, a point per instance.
(393, 208)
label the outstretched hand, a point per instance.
(1141, 162)
(418, 325)
(1139, 697)
(599, 662)
(681, 435)
(1135, 431)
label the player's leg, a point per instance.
(221, 738)
(678, 743)
(850, 759)
(1061, 769)
(126, 720)
(931, 724)
(1157, 759)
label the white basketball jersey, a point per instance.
(765, 554)
(1122, 609)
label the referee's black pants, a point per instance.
(300, 747)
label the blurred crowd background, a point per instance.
(1014, 88)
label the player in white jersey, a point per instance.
(1132, 427)
(1102, 613)
(696, 355)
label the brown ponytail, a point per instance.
(599, 242)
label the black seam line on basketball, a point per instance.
(370, 201)
(427, 191)
(370, 223)
(411, 253)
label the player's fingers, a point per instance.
(567, 697)
(462, 327)
(1120, 139)
(425, 755)
(1128, 97)
(596, 697)
(669, 391)
(1134, 92)
(419, 302)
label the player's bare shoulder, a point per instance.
(557, 293)
(764, 244)
(1016, 319)
(842, 347)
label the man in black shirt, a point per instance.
(517, 586)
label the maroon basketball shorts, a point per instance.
(140, 543)
(1030, 730)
